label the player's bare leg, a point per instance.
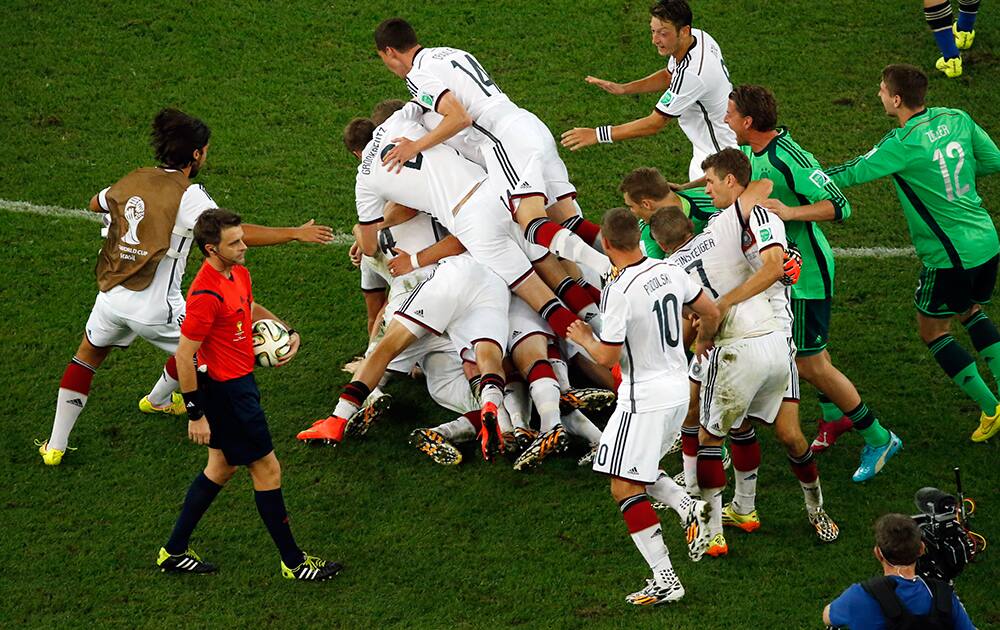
(801, 458)
(644, 528)
(74, 389)
(538, 228)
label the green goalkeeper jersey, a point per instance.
(799, 181)
(696, 205)
(934, 159)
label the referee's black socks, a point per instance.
(271, 507)
(200, 495)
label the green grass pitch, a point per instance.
(477, 546)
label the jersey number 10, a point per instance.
(956, 189)
(669, 321)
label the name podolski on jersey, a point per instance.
(656, 282)
(684, 257)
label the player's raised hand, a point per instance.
(777, 207)
(399, 155)
(401, 264)
(198, 431)
(293, 347)
(608, 86)
(355, 254)
(309, 232)
(579, 137)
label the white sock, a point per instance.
(568, 245)
(813, 494)
(458, 430)
(562, 373)
(578, 424)
(344, 409)
(162, 393)
(517, 403)
(691, 475)
(667, 491)
(649, 540)
(503, 420)
(545, 394)
(714, 498)
(591, 314)
(744, 499)
(69, 404)
(491, 394)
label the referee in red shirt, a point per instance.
(223, 402)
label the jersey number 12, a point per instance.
(956, 189)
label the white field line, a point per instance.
(341, 238)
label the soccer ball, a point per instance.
(270, 342)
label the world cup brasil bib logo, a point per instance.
(135, 210)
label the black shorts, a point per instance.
(946, 292)
(239, 427)
(810, 326)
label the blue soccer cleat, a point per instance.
(873, 459)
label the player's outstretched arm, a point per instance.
(656, 82)
(308, 232)
(580, 137)
(366, 236)
(258, 312)
(885, 158)
(754, 194)
(455, 119)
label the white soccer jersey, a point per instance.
(698, 95)
(434, 181)
(715, 259)
(778, 295)
(641, 310)
(437, 71)
(162, 301)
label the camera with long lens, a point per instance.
(949, 545)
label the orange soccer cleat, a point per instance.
(328, 430)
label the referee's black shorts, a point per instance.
(239, 427)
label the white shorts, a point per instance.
(462, 298)
(522, 160)
(744, 379)
(371, 281)
(446, 381)
(413, 354)
(524, 322)
(492, 237)
(632, 444)
(105, 329)
(694, 168)
(792, 391)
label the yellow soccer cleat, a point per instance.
(963, 39)
(50, 456)
(747, 522)
(717, 547)
(988, 426)
(952, 68)
(175, 408)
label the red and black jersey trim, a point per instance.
(207, 292)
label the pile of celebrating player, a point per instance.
(701, 304)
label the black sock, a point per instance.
(271, 507)
(200, 495)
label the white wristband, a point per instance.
(604, 134)
(413, 261)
